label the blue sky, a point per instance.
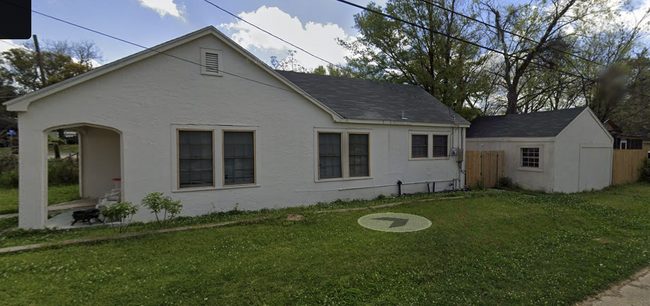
(311, 24)
(151, 22)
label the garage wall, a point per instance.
(528, 178)
(583, 155)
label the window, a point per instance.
(358, 155)
(623, 145)
(530, 157)
(329, 155)
(195, 159)
(440, 146)
(238, 158)
(419, 146)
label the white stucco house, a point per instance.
(555, 151)
(203, 120)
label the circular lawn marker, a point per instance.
(394, 222)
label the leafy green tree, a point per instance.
(332, 71)
(393, 51)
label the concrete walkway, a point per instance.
(633, 292)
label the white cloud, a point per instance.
(317, 38)
(165, 7)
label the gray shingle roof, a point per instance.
(540, 124)
(363, 99)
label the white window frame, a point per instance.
(520, 157)
(219, 54)
(345, 154)
(620, 145)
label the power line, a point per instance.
(459, 39)
(510, 32)
(271, 34)
(143, 47)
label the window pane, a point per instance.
(358, 155)
(239, 158)
(329, 158)
(419, 146)
(530, 157)
(440, 146)
(195, 158)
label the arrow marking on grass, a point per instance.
(397, 222)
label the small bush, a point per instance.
(479, 185)
(119, 211)
(8, 161)
(157, 203)
(381, 197)
(507, 184)
(645, 170)
(63, 171)
(9, 179)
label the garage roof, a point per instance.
(540, 124)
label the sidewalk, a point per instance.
(633, 292)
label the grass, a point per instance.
(65, 149)
(56, 194)
(492, 248)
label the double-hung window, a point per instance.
(238, 157)
(530, 157)
(419, 146)
(358, 154)
(440, 146)
(195, 159)
(329, 155)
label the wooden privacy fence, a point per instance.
(626, 164)
(483, 166)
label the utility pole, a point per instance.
(39, 62)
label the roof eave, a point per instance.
(401, 122)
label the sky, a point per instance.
(314, 25)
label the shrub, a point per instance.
(157, 203)
(507, 184)
(8, 161)
(645, 170)
(119, 211)
(63, 171)
(479, 185)
(9, 179)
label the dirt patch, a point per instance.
(294, 217)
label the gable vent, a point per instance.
(211, 62)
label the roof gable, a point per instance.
(540, 124)
(21, 104)
(371, 100)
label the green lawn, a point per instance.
(56, 194)
(65, 149)
(496, 249)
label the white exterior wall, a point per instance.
(583, 155)
(528, 178)
(100, 161)
(148, 100)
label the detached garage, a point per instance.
(557, 151)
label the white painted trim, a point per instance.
(21, 104)
(540, 147)
(394, 122)
(219, 54)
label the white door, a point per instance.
(595, 167)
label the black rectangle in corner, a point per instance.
(15, 19)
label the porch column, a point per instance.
(32, 209)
